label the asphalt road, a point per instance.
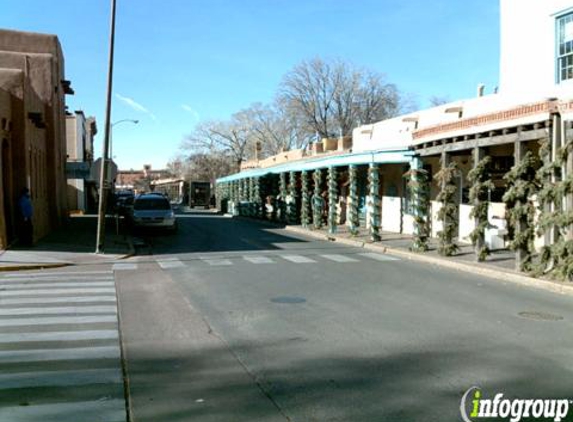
(230, 320)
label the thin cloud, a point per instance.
(135, 105)
(191, 111)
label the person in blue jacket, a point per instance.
(26, 213)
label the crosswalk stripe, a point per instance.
(99, 410)
(52, 274)
(379, 257)
(59, 336)
(258, 259)
(339, 258)
(4, 287)
(55, 291)
(54, 300)
(298, 259)
(66, 320)
(48, 355)
(170, 263)
(124, 266)
(74, 310)
(217, 262)
(55, 280)
(65, 378)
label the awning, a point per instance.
(313, 163)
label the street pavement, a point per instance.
(230, 320)
(60, 355)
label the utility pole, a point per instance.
(103, 182)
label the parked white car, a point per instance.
(152, 210)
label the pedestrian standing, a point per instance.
(26, 213)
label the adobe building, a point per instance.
(32, 104)
(507, 155)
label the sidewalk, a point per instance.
(72, 244)
(499, 265)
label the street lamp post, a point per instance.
(134, 121)
(103, 183)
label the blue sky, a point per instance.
(181, 61)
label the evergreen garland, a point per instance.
(256, 197)
(332, 199)
(317, 200)
(481, 184)
(419, 188)
(291, 206)
(374, 183)
(304, 215)
(557, 258)
(282, 201)
(449, 209)
(522, 185)
(354, 218)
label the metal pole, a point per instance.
(103, 183)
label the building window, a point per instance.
(565, 47)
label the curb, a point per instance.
(515, 278)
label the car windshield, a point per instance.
(152, 204)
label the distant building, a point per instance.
(139, 180)
(80, 132)
(32, 130)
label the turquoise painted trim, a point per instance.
(380, 157)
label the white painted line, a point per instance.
(60, 378)
(124, 266)
(299, 259)
(48, 355)
(65, 320)
(52, 274)
(37, 292)
(59, 336)
(100, 411)
(217, 262)
(379, 257)
(339, 258)
(170, 263)
(50, 280)
(74, 310)
(30, 286)
(65, 300)
(258, 259)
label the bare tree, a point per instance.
(437, 101)
(226, 137)
(330, 97)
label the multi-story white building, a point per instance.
(536, 48)
(80, 132)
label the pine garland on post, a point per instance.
(291, 205)
(522, 185)
(557, 258)
(256, 197)
(481, 184)
(305, 200)
(419, 187)
(374, 184)
(282, 201)
(448, 211)
(332, 199)
(317, 200)
(354, 218)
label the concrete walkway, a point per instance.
(72, 244)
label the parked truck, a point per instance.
(199, 194)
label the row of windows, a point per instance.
(565, 47)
